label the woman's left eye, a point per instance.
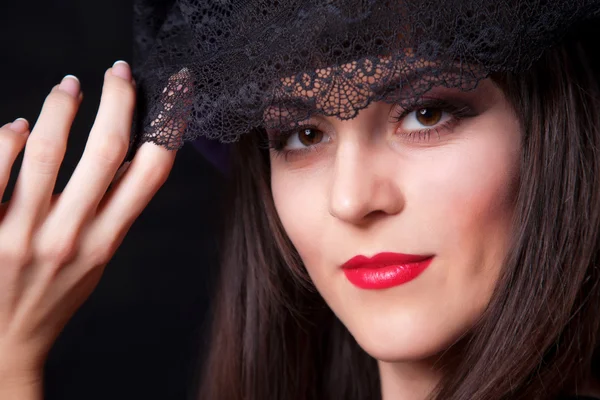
(417, 123)
(424, 118)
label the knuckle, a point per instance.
(111, 149)
(58, 249)
(14, 253)
(102, 242)
(59, 100)
(45, 152)
(154, 175)
(99, 254)
(10, 142)
(122, 90)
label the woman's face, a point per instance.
(438, 182)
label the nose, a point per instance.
(363, 185)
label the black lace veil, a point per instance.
(219, 68)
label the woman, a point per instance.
(416, 230)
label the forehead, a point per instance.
(342, 90)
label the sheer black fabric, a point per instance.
(219, 68)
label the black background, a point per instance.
(140, 334)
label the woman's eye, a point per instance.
(420, 121)
(424, 118)
(304, 137)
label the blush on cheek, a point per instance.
(480, 183)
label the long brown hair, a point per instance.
(273, 336)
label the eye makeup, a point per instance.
(438, 112)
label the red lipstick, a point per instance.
(384, 270)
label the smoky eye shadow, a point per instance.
(477, 100)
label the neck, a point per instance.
(407, 380)
(416, 379)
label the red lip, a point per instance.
(385, 270)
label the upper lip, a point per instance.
(383, 259)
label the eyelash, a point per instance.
(457, 113)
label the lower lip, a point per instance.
(385, 276)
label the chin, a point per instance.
(400, 348)
(404, 338)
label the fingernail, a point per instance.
(71, 85)
(20, 125)
(122, 70)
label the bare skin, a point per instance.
(365, 186)
(53, 249)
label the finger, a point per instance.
(13, 137)
(44, 153)
(105, 150)
(146, 173)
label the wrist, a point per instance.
(20, 377)
(21, 386)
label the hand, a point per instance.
(53, 249)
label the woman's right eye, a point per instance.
(304, 137)
(298, 139)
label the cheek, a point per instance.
(464, 199)
(469, 193)
(473, 192)
(301, 203)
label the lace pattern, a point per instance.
(219, 68)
